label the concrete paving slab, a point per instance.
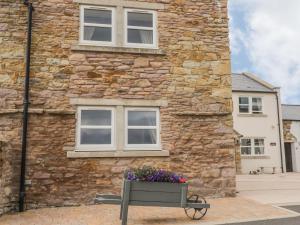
(277, 189)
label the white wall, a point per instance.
(265, 126)
(295, 130)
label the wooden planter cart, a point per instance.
(157, 194)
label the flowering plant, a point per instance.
(150, 174)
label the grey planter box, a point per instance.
(157, 194)
(150, 194)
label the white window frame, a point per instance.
(250, 105)
(259, 146)
(245, 146)
(113, 26)
(253, 146)
(150, 147)
(257, 112)
(154, 29)
(97, 147)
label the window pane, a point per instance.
(246, 150)
(258, 142)
(259, 150)
(97, 33)
(95, 136)
(246, 142)
(141, 118)
(244, 108)
(96, 117)
(140, 19)
(243, 100)
(256, 105)
(140, 136)
(140, 36)
(97, 16)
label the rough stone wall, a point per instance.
(193, 76)
(287, 135)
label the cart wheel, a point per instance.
(195, 214)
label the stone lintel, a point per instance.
(110, 49)
(118, 102)
(191, 113)
(113, 154)
(127, 4)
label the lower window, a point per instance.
(95, 128)
(252, 146)
(142, 128)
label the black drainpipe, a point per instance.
(279, 129)
(25, 107)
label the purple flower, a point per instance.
(150, 174)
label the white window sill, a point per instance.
(251, 115)
(113, 154)
(255, 157)
(111, 49)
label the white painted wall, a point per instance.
(265, 126)
(295, 130)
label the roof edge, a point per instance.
(291, 105)
(257, 79)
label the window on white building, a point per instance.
(250, 105)
(256, 105)
(259, 146)
(252, 146)
(244, 104)
(246, 146)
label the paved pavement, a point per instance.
(277, 189)
(285, 221)
(222, 210)
(257, 195)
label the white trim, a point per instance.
(148, 147)
(112, 26)
(98, 147)
(154, 29)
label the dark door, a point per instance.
(288, 157)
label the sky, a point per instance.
(265, 41)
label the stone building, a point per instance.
(291, 130)
(115, 84)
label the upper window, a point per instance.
(97, 25)
(142, 128)
(257, 105)
(135, 28)
(140, 28)
(252, 146)
(244, 104)
(95, 128)
(250, 105)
